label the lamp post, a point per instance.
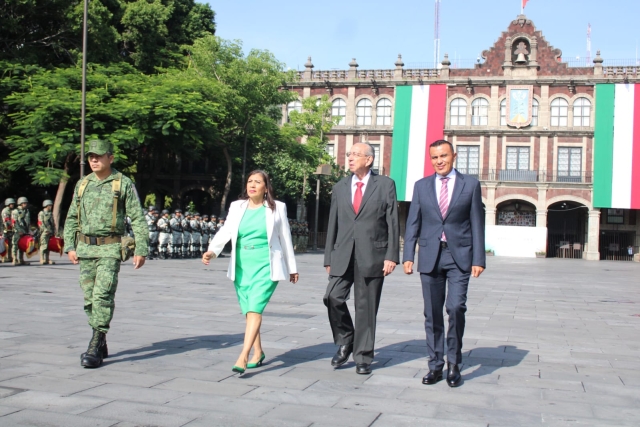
(322, 170)
(84, 87)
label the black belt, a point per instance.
(443, 245)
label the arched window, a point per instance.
(458, 112)
(383, 112)
(582, 112)
(363, 112)
(339, 109)
(503, 112)
(479, 112)
(534, 112)
(559, 112)
(293, 106)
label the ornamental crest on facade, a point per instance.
(519, 105)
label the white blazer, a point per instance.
(281, 258)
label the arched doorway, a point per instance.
(516, 212)
(567, 225)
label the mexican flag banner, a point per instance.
(419, 120)
(616, 171)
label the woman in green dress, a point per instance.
(261, 255)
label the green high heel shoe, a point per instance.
(258, 363)
(238, 369)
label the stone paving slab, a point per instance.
(547, 343)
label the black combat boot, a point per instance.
(95, 353)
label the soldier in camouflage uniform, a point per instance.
(7, 227)
(165, 234)
(186, 235)
(196, 235)
(176, 234)
(152, 223)
(204, 226)
(21, 222)
(47, 229)
(93, 239)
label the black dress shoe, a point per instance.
(432, 377)
(341, 357)
(363, 368)
(453, 375)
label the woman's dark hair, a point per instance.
(271, 202)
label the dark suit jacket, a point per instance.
(463, 224)
(372, 235)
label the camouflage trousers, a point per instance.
(99, 281)
(44, 241)
(15, 251)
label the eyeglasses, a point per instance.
(351, 153)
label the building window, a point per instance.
(468, 159)
(615, 216)
(480, 112)
(534, 112)
(376, 158)
(293, 106)
(383, 112)
(582, 112)
(559, 112)
(331, 150)
(458, 112)
(363, 112)
(339, 109)
(569, 164)
(503, 113)
(518, 158)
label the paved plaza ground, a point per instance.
(548, 342)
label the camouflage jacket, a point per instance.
(96, 207)
(45, 222)
(6, 219)
(20, 220)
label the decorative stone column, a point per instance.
(444, 72)
(541, 217)
(397, 73)
(490, 216)
(597, 65)
(490, 206)
(352, 74)
(533, 56)
(308, 70)
(592, 252)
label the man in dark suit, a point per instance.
(362, 248)
(446, 219)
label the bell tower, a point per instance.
(521, 51)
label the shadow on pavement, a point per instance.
(486, 360)
(176, 346)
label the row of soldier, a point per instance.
(16, 226)
(179, 235)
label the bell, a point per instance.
(521, 59)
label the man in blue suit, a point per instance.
(446, 219)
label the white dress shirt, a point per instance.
(354, 180)
(450, 184)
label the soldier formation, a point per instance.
(179, 235)
(16, 223)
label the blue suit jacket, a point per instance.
(463, 224)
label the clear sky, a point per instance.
(375, 31)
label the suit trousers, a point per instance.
(434, 289)
(367, 294)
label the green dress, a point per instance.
(254, 286)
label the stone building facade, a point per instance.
(534, 174)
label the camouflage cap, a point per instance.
(99, 147)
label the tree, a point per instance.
(170, 113)
(250, 86)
